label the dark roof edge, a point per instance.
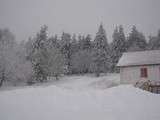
(137, 65)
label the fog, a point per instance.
(24, 17)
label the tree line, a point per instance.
(42, 56)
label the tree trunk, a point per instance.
(1, 82)
(2, 79)
(97, 71)
(97, 74)
(57, 78)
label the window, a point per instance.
(144, 72)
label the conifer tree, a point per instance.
(85, 42)
(101, 52)
(136, 41)
(118, 46)
(39, 55)
(53, 42)
(74, 44)
(154, 42)
(65, 47)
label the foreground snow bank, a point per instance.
(57, 103)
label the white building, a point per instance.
(136, 66)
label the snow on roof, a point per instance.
(140, 58)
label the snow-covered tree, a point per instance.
(85, 42)
(7, 44)
(136, 40)
(118, 46)
(22, 67)
(53, 42)
(39, 55)
(65, 46)
(154, 42)
(14, 68)
(99, 62)
(101, 52)
(100, 41)
(55, 62)
(46, 55)
(74, 45)
(82, 62)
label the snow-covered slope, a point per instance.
(55, 102)
(88, 82)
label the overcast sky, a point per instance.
(24, 17)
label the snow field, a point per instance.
(80, 98)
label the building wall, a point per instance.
(130, 75)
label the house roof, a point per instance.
(140, 58)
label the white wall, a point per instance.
(130, 75)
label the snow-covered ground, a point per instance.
(88, 82)
(80, 98)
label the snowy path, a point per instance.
(80, 101)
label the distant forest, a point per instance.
(42, 56)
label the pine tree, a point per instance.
(99, 61)
(80, 41)
(101, 52)
(118, 46)
(85, 42)
(100, 40)
(53, 42)
(65, 47)
(82, 62)
(74, 44)
(23, 70)
(136, 41)
(55, 62)
(154, 42)
(39, 55)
